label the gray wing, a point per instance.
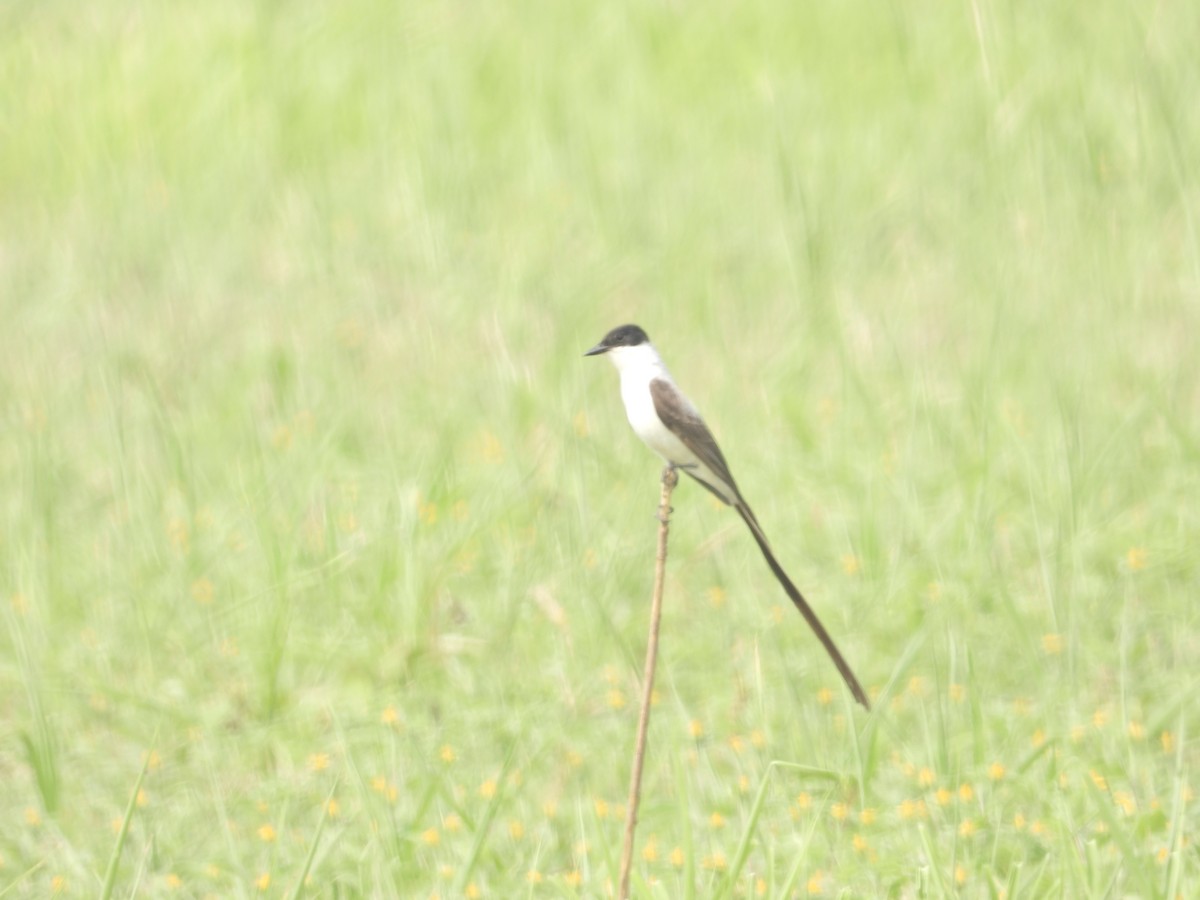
(683, 420)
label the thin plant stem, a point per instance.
(669, 479)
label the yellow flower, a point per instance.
(716, 820)
(815, 885)
(851, 564)
(677, 858)
(333, 809)
(447, 754)
(966, 828)
(804, 800)
(1125, 800)
(867, 816)
(996, 771)
(907, 809)
(824, 696)
(390, 716)
(1135, 558)
(516, 830)
(202, 591)
(490, 447)
(266, 833)
(1136, 730)
(487, 790)
(1019, 822)
(960, 875)
(58, 884)
(839, 811)
(431, 837)
(452, 823)
(173, 881)
(757, 739)
(943, 796)
(177, 533)
(716, 596)
(925, 777)
(1167, 740)
(650, 851)
(281, 437)
(1052, 644)
(696, 729)
(601, 807)
(32, 817)
(263, 881)
(615, 699)
(1098, 780)
(957, 692)
(318, 762)
(574, 878)
(533, 876)
(1038, 738)
(716, 862)
(860, 843)
(965, 792)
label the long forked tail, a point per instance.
(802, 605)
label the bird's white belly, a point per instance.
(643, 418)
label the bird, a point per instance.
(670, 425)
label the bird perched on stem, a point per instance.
(670, 425)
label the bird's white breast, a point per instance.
(638, 367)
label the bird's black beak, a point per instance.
(597, 350)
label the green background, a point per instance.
(311, 505)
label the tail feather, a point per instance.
(802, 605)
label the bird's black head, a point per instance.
(621, 336)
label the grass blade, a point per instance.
(485, 825)
(298, 891)
(110, 875)
(1178, 809)
(743, 850)
(685, 821)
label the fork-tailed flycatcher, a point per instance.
(669, 425)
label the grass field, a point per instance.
(314, 519)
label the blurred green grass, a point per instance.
(306, 476)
